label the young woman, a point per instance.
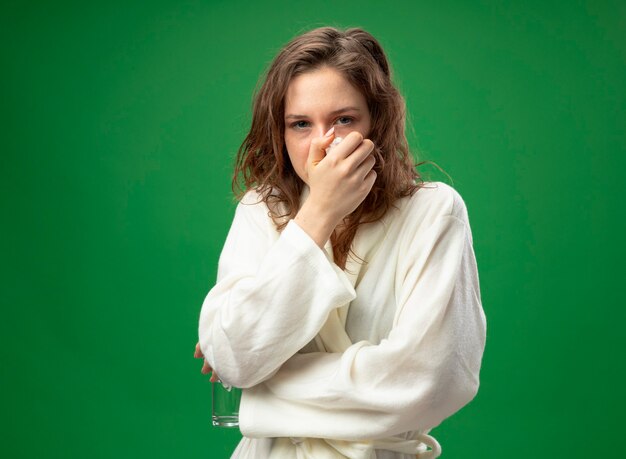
(347, 304)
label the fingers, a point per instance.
(369, 179)
(360, 162)
(351, 144)
(363, 154)
(198, 352)
(317, 150)
(366, 167)
(206, 368)
(352, 150)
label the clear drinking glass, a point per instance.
(225, 405)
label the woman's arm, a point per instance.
(427, 368)
(272, 295)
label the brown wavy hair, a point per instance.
(262, 161)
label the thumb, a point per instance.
(317, 150)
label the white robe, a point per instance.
(411, 310)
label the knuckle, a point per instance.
(344, 170)
(332, 161)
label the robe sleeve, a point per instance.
(272, 295)
(424, 371)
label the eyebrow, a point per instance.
(334, 112)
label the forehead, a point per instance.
(320, 89)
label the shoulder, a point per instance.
(435, 206)
(431, 202)
(434, 209)
(438, 199)
(257, 207)
(252, 209)
(252, 197)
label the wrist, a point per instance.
(319, 225)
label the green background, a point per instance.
(119, 125)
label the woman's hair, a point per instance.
(262, 161)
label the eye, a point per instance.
(345, 118)
(298, 125)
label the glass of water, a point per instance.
(225, 405)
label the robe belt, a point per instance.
(317, 448)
